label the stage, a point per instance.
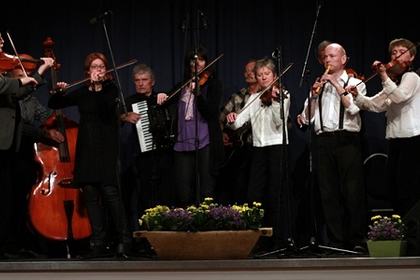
(341, 267)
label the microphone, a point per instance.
(183, 26)
(100, 17)
(203, 19)
(276, 53)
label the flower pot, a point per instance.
(387, 248)
(201, 245)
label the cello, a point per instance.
(56, 208)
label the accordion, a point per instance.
(155, 128)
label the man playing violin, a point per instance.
(400, 99)
(24, 168)
(337, 124)
(12, 90)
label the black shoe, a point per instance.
(123, 250)
(98, 251)
(360, 249)
(30, 254)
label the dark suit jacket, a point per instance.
(11, 92)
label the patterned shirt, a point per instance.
(235, 104)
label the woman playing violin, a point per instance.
(197, 111)
(268, 147)
(97, 151)
(401, 102)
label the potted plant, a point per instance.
(205, 231)
(386, 236)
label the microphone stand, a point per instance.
(285, 159)
(114, 67)
(305, 64)
(284, 172)
(313, 244)
(120, 102)
(197, 91)
(196, 138)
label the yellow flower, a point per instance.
(377, 217)
(208, 215)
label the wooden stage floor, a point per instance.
(340, 267)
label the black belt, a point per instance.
(340, 133)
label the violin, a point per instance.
(352, 73)
(267, 96)
(9, 62)
(203, 77)
(394, 69)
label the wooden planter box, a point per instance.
(202, 245)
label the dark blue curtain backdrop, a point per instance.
(151, 32)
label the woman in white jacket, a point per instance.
(400, 99)
(269, 144)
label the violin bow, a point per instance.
(189, 81)
(16, 53)
(130, 62)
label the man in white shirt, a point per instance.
(337, 125)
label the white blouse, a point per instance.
(401, 104)
(266, 123)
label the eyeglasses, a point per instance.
(97, 66)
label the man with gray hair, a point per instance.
(145, 173)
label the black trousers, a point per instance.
(341, 184)
(6, 188)
(403, 172)
(232, 186)
(148, 183)
(101, 199)
(266, 186)
(185, 176)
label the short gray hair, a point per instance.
(143, 68)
